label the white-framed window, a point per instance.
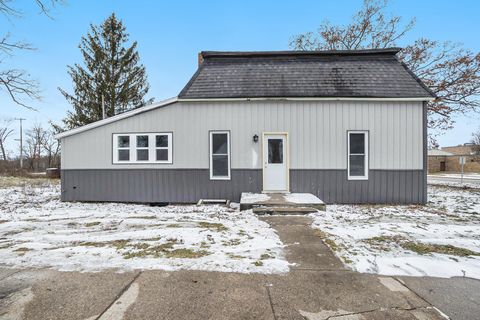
(219, 155)
(142, 147)
(357, 161)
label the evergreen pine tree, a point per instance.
(111, 72)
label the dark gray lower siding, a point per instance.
(190, 185)
(382, 186)
(152, 185)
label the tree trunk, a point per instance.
(4, 154)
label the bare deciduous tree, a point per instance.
(52, 149)
(476, 143)
(5, 132)
(34, 145)
(451, 72)
(17, 83)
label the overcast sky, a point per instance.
(171, 33)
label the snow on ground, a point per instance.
(249, 198)
(302, 198)
(37, 230)
(439, 239)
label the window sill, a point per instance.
(357, 178)
(143, 162)
(219, 178)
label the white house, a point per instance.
(346, 126)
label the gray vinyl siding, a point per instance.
(190, 185)
(317, 134)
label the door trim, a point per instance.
(287, 162)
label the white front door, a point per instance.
(275, 160)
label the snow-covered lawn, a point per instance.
(439, 239)
(37, 230)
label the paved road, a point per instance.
(457, 297)
(317, 287)
(454, 178)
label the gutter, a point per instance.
(420, 99)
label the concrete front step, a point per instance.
(289, 210)
(292, 201)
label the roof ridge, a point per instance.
(248, 54)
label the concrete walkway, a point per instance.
(318, 287)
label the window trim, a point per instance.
(210, 154)
(366, 152)
(133, 148)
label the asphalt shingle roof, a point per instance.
(358, 73)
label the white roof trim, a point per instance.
(310, 99)
(116, 118)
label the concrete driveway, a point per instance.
(317, 287)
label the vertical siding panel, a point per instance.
(317, 127)
(411, 138)
(342, 186)
(403, 142)
(329, 137)
(329, 185)
(395, 142)
(386, 186)
(308, 130)
(385, 140)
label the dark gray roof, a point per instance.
(356, 73)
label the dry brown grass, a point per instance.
(7, 181)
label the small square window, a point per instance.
(142, 141)
(123, 155)
(162, 154)
(161, 141)
(142, 155)
(123, 141)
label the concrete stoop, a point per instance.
(281, 203)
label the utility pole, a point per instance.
(21, 141)
(103, 108)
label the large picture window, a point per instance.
(142, 148)
(357, 155)
(219, 155)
